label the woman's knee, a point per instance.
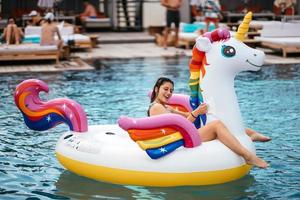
(218, 124)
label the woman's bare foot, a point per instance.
(260, 137)
(256, 161)
(255, 136)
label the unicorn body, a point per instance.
(116, 153)
(218, 83)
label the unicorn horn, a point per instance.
(243, 27)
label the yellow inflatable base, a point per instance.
(129, 177)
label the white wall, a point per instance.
(155, 14)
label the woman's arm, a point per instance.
(191, 116)
(184, 114)
(202, 109)
(157, 109)
(21, 32)
(4, 33)
(58, 34)
(164, 3)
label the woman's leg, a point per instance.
(165, 37)
(9, 31)
(255, 136)
(217, 130)
(16, 34)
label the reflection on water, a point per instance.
(77, 187)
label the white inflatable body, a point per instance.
(107, 153)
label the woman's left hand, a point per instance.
(202, 109)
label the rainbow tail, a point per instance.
(40, 116)
(160, 135)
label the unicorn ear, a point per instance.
(203, 44)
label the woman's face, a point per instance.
(11, 21)
(164, 93)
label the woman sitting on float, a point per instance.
(162, 92)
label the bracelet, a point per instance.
(193, 115)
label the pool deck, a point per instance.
(122, 46)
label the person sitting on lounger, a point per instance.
(49, 30)
(12, 34)
(36, 19)
(89, 11)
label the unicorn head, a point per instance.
(217, 58)
(227, 54)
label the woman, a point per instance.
(12, 34)
(162, 92)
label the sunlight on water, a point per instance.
(269, 101)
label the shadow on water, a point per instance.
(76, 187)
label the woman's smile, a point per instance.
(165, 93)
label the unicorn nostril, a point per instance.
(255, 54)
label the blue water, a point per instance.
(269, 101)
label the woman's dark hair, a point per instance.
(157, 85)
(11, 17)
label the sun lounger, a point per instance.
(75, 41)
(97, 23)
(291, 18)
(258, 25)
(281, 36)
(189, 32)
(3, 23)
(28, 52)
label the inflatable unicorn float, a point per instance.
(163, 150)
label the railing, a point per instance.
(290, 18)
(129, 15)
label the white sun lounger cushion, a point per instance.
(76, 37)
(286, 41)
(97, 20)
(281, 30)
(37, 30)
(26, 48)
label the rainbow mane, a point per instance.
(40, 116)
(197, 71)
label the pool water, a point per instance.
(269, 101)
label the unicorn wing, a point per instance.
(162, 134)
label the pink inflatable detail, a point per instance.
(186, 128)
(217, 35)
(179, 99)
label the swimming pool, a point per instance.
(269, 101)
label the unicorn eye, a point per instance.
(228, 51)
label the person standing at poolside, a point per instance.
(173, 16)
(46, 5)
(12, 34)
(196, 8)
(49, 30)
(89, 11)
(284, 7)
(212, 12)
